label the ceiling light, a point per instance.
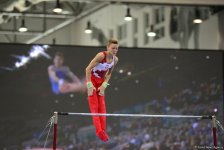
(151, 32)
(88, 29)
(128, 16)
(197, 18)
(57, 8)
(197, 21)
(23, 27)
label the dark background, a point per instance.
(26, 100)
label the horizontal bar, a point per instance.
(134, 115)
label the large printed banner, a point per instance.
(152, 81)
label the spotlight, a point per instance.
(128, 16)
(197, 21)
(23, 27)
(88, 29)
(197, 18)
(57, 8)
(151, 33)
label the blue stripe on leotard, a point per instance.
(54, 85)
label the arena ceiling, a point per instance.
(13, 11)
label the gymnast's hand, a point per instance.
(64, 87)
(90, 88)
(101, 90)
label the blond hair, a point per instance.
(112, 41)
